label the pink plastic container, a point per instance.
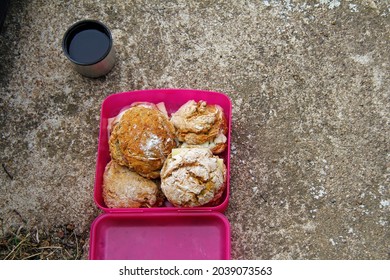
(138, 233)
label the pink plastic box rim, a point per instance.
(173, 99)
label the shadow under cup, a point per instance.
(89, 46)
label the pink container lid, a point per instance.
(173, 99)
(160, 236)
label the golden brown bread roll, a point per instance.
(193, 177)
(141, 138)
(201, 124)
(125, 188)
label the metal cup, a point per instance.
(89, 46)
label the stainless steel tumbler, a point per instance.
(89, 46)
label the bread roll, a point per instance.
(201, 124)
(193, 177)
(141, 138)
(125, 188)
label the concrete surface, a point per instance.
(309, 81)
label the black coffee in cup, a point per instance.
(89, 45)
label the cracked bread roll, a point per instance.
(201, 124)
(193, 177)
(123, 188)
(141, 138)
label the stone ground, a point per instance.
(309, 82)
